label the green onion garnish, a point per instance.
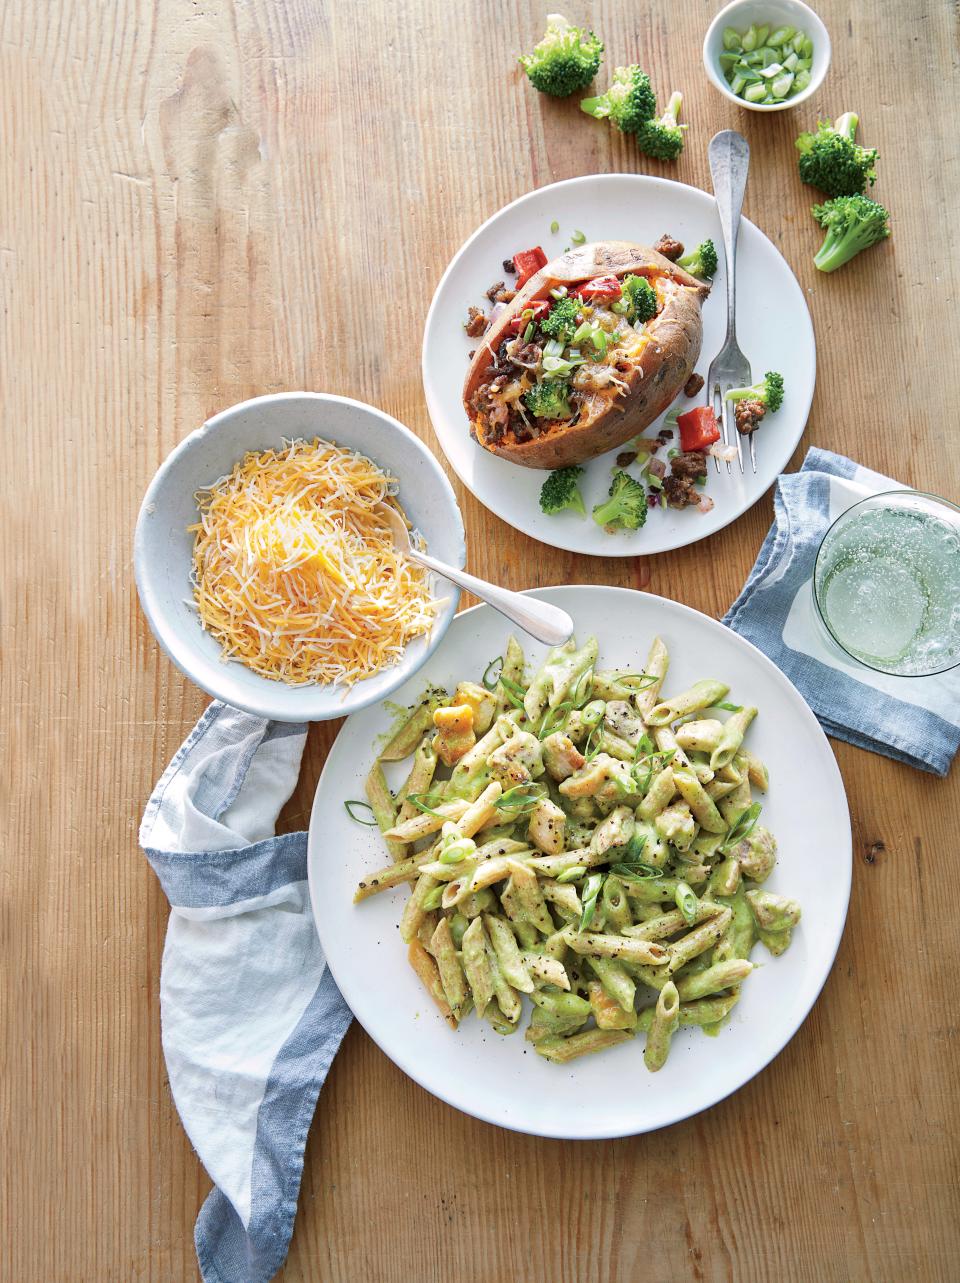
(528, 333)
(687, 903)
(521, 798)
(573, 874)
(432, 899)
(554, 227)
(490, 678)
(730, 708)
(418, 801)
(588, 899)
(742, 829)
(577, 237)
(348, 807)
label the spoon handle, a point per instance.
(549, 624)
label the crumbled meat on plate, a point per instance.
(494, 290)
(508, 266)
(693, 385)
(748, 415)
(669, 248)
(504, 296)
(625, 458)
(679, 489)
(476, 322)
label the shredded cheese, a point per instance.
(294, 568)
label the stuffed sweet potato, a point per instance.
(591, 350)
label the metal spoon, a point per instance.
(549, 624)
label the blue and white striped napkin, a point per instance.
(912, 719)
(250, 1016)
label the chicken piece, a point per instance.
(482, 701)
(518, 761)
(615, 830)
(756, 854)
(620, 785)
(546, 828)
(773, 912)
(623, 720)
(676, 825)
(561, 756)
(454, 735)
(590, 778)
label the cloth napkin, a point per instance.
(912, 719)
(250, 1016)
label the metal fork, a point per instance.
(729, 154)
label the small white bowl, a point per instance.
(743, 14)
(163, 550)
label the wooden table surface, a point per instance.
(200, 202)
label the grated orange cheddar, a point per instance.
(294, 569)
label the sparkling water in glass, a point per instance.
(887, 583)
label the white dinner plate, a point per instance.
(773, 327)
(502, 1080)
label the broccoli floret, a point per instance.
(549, 400)
(626, 509)
(560, 491)
(702, 261)
(663, 139)
(769, 392)
(852, 223)
(640, 297)
(566, 59)
(561, 321)
(831, 160)
(629, 101)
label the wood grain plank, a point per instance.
(199, 203)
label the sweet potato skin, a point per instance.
(667, 362)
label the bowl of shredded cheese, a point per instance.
(265, 563)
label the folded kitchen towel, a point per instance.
(913, 719)
(250, 1015)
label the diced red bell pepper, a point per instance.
(520, 323)
(602, 289)
(698, 428)
(527, 262)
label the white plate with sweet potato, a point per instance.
(507, 471)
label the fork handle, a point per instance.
(729, 154)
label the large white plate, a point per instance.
(500, 1079)
(773, 327)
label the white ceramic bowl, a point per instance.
(163, 549)
(742, 14)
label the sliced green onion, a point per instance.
(592, 747)
(528, 333)
(781, 86)
(749, 41)
(782, 36)
(672, 452)
(742, 829)
(491, 678)
(433, 898)
(730, 708)
(348, 807)
(687, 903)
(755, 93)
(790, 62)
(521, 798)
(731, 38)
(801, 80)
(418, 801)
(573, 874)
(588, 898)
(654, 482)
(578, 237)
(762, 33)
(635, 681)
(555, 719)
(512, 691)
(554, 227)
(636, 871)
(583, 688)
(558, 292)
(769, 73)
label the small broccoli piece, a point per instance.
(629, 101)
(560, 491)
(831, 160)
(769, 392)
(561, 321)
(663, 139)
(549, 400)
(640, 297)
(626, 509)
(702, 261)
(566, 59)
(852, 223)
